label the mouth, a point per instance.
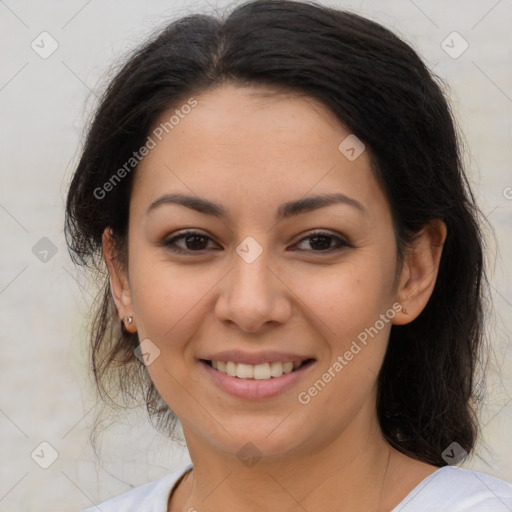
(256, 375)
(260, 372)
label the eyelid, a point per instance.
(168, 242)
(321, 232)
(342, 242)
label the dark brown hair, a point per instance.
(381, 90)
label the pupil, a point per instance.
(195, 244)
(324, 238)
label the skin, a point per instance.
(251, 150)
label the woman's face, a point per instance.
(266, 282)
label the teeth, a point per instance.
(263, 371)
(245, 371)
(231, 368)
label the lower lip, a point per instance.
(255, 389)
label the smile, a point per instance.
(262, 371)
(256, 381)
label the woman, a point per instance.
(295, 265)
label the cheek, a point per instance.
(348, 297)
(170, 305)
(170, 301)
(352, 319)
(160, 303)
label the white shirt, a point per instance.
(449, 489)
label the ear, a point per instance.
(119, 283)
(419, 272)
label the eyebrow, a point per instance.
(286, 210)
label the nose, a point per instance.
(253, 295)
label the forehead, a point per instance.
(252, 144)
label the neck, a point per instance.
(353, 472)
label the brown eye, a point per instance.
(192, 241)
(322, 242)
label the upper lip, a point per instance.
(239, 356)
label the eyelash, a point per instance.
(342, 244)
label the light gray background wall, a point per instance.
(45, 394)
